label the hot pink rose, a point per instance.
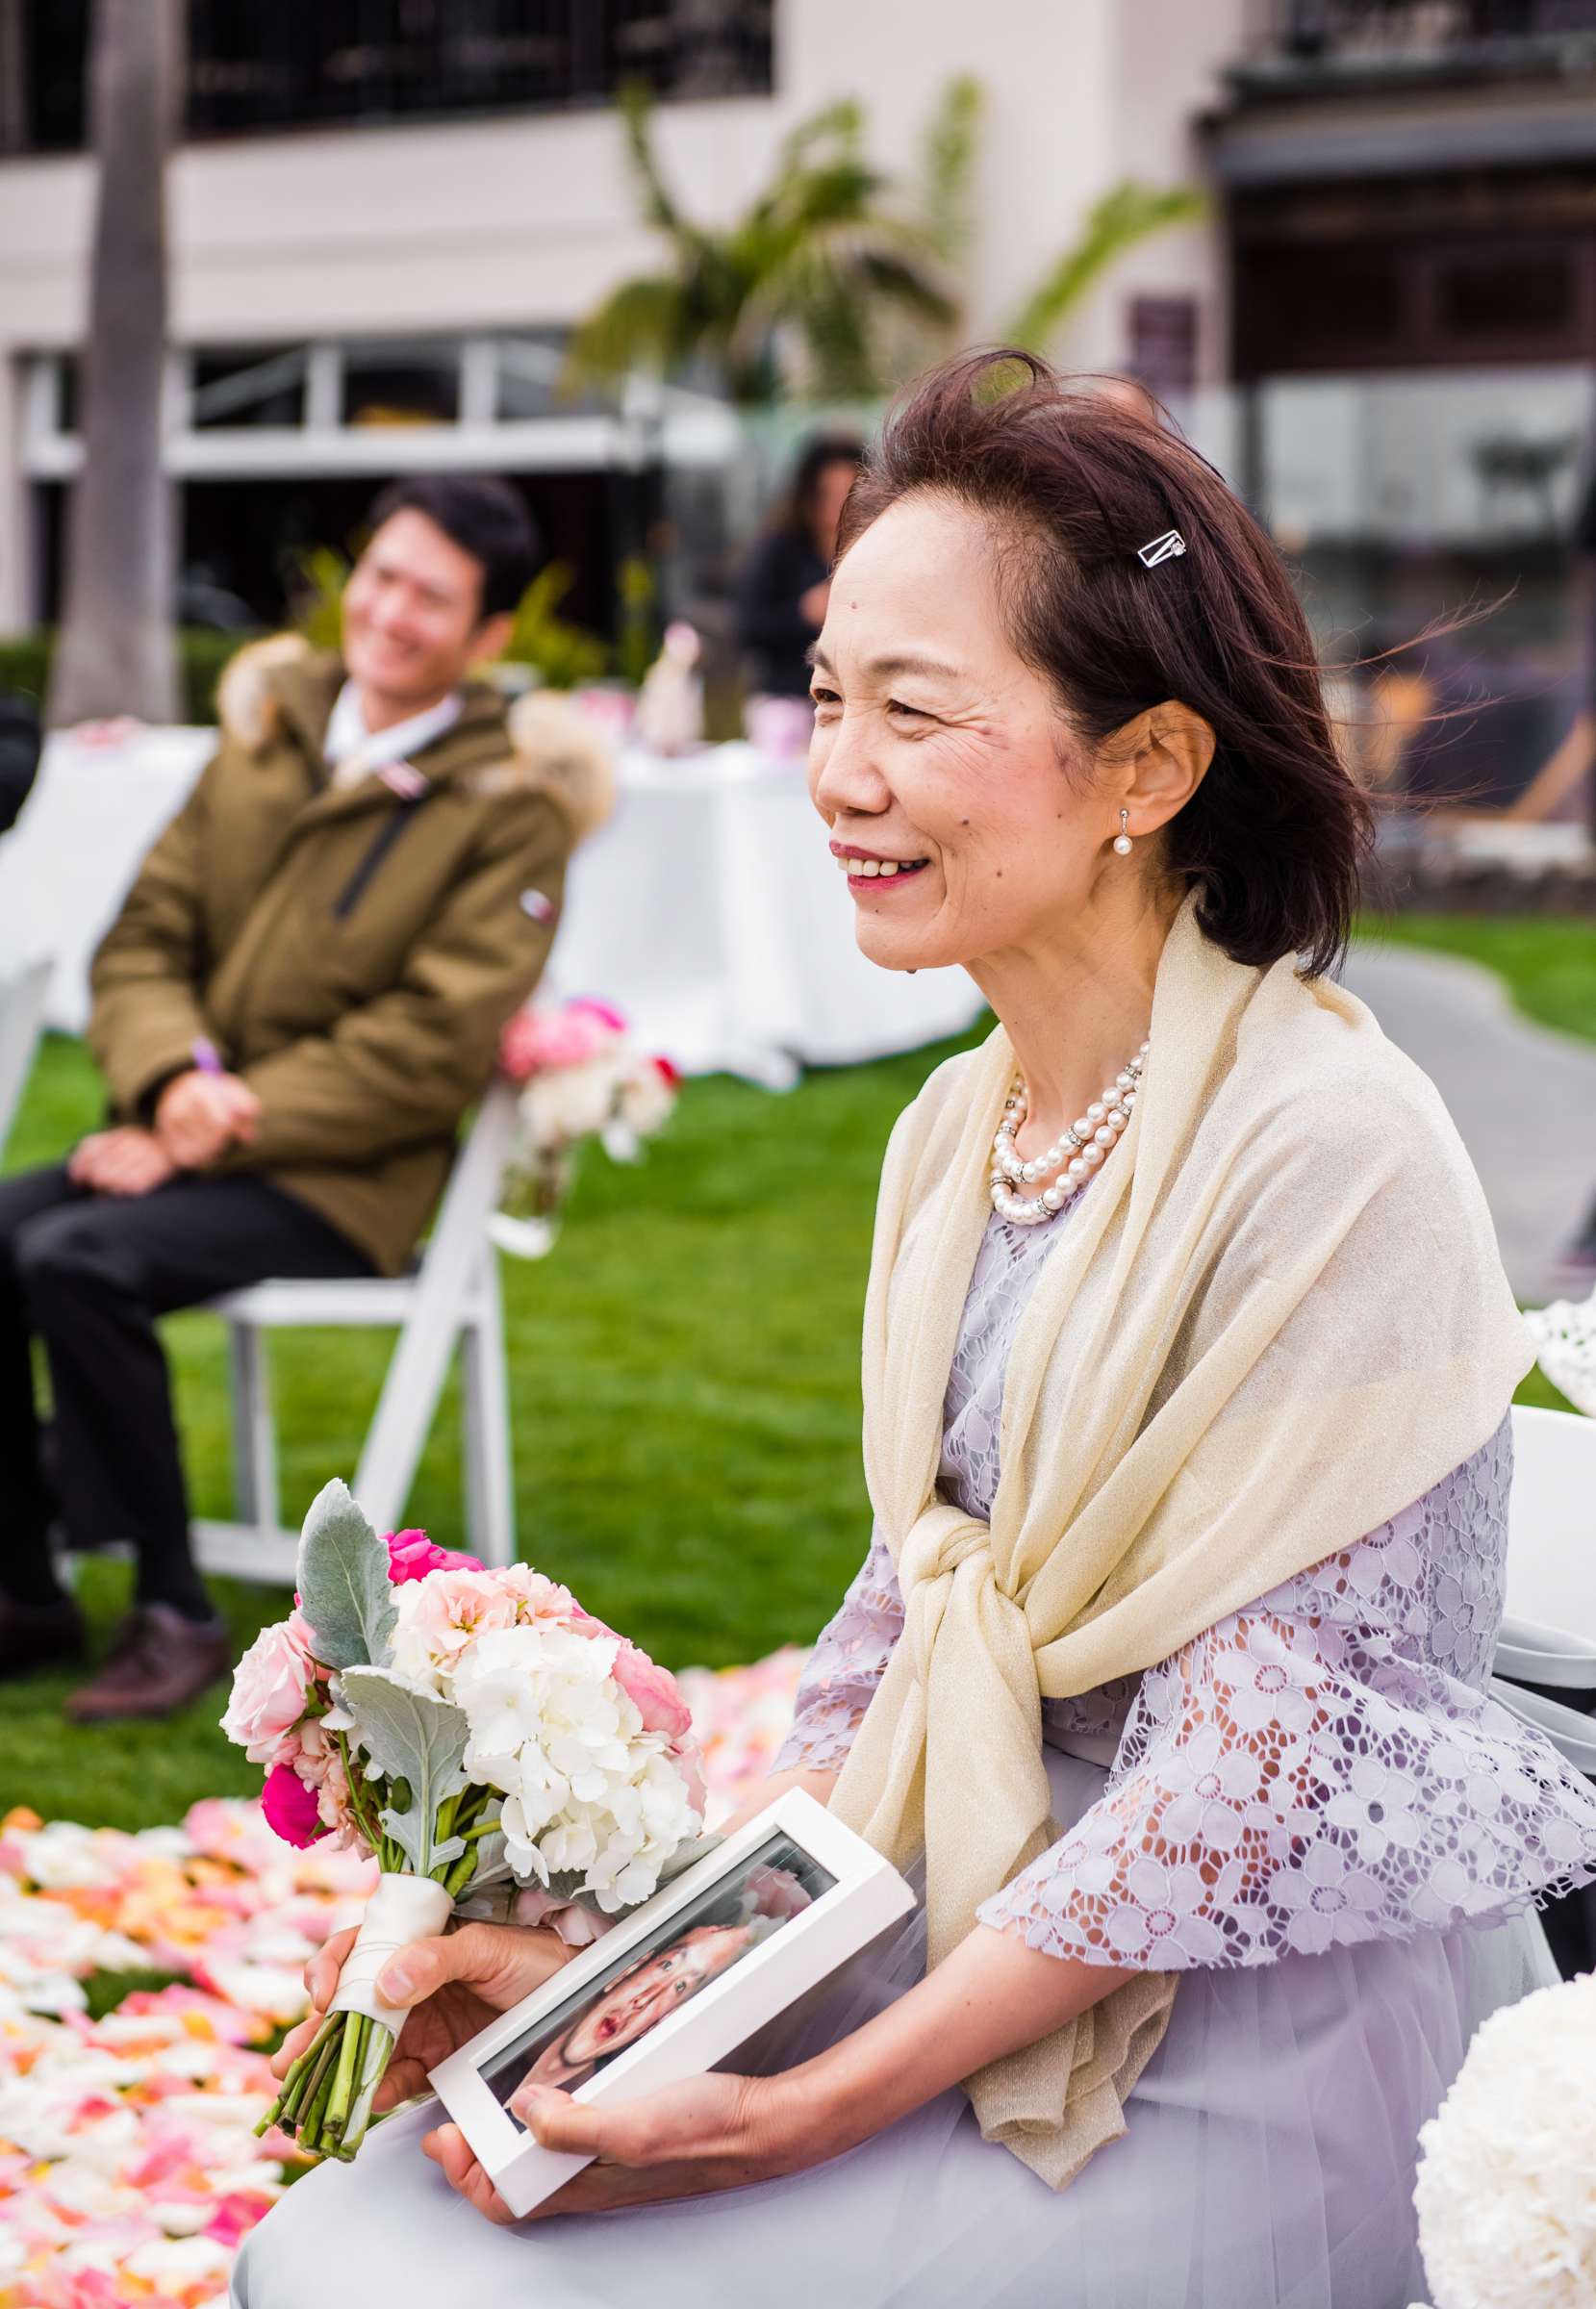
(268, 1691)
(412, 1555)
(290, 1807)
(654, 1693)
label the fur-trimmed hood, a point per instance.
(539, 741)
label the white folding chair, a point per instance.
(1549, 1628)
(453, 1294)
(21, 1017)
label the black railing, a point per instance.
(1348, 36)
(256, 65)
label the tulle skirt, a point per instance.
(1268, 2164)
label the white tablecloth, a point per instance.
(708, 909)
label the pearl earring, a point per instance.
(1122, 840)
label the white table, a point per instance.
(708, 909)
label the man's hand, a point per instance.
(200, 1115)
(121, 1162)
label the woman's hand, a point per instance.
(454, 1984)
(989, 1997)
(712, 2132)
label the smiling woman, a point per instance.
(1187, 1353)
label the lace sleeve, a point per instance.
(845, 1668)
(1323, 1767)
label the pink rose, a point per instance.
(654, 1693)
(444, 1614)
(537, 1041)
(412, 1556)
(268, 1694)
(587, 1005)
(291, 1808)
(517, 1047)
(334, 1810)
(537, 1597)
(578, 1927)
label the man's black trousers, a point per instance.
(88, 1273)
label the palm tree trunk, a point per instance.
(116, 653)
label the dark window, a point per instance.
(1313, 308)
(1500, 296)
(262, 65)
(400, 386)
(1163, 344)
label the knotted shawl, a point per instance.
(1278, 1318)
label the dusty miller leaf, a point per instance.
(410, 1734)
(345, 1592)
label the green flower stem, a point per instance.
(376, 2054)
(303, 2077)
(288, 2091)
(343, 2080)
(310, 2130)
(317, 2087)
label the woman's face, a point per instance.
(938, 750)
(660, 1982)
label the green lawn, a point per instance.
(685, 1389)
(1550, 966)
(685, 1398)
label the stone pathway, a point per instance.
(1523, 1096)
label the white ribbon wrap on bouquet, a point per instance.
(402, 1911)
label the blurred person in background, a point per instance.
(787, 579)
(301, 996)
(20, 748)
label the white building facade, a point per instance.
(332, 278)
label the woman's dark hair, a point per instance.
(794, 509)
(1071, 484)
(486, 518)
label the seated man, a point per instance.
(303, 993)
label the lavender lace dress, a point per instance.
(1312, 1810)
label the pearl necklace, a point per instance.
(1075, 1155)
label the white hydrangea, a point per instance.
(1505, 2201)
(569, 1102)
(587, 1790)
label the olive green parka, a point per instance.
(351, 953)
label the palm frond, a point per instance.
(638, 325)
(1122, 216)
(948, 166)
(637, 116)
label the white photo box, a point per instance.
(865, 1896)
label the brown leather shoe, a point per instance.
(38, 1635)
(158, 1662)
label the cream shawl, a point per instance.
(1277, 1317)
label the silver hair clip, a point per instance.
(1161, 549)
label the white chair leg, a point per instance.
(399, 1431)
(254, 1430)
(485, 1411)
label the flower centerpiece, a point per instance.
(1507, 2212)
(488, 1740)
(580, 1077)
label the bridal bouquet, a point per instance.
(488, 1740)
(580, 1077)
